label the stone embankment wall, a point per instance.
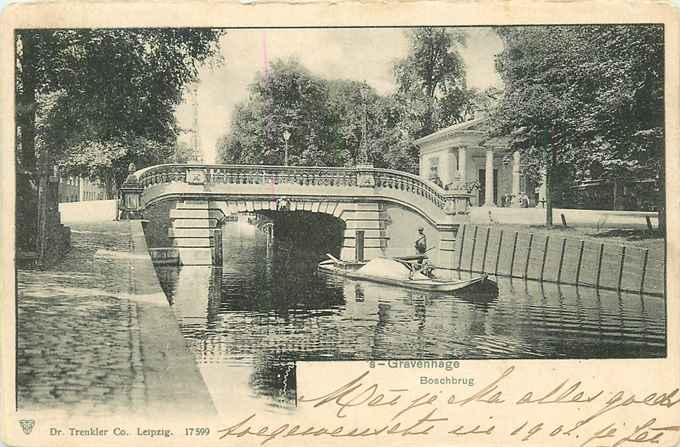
(96, 334)
(553, 258)
(172, 378)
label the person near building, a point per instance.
(524, 200)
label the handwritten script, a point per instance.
(604, 417)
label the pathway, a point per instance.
(95, 332)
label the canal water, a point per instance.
(247, 322)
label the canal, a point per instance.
(267, 307)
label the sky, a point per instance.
(366, 54)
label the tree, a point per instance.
(185, 153)
(285, 97)
(93, 100)
(81, 91)
(578, 96)
(431, 79)
(388, 143)
(325, 119)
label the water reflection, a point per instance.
(267, 307)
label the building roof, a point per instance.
(472, 133)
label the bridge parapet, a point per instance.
(361, 180)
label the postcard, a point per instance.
(405, 223)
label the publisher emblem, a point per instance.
(27, 425)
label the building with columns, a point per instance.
(463, 153)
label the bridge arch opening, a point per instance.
(313, 232)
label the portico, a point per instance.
(464, 155)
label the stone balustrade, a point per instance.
(360, 177)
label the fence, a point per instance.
(546, 257)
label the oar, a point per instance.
(334, 259)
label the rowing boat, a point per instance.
(396, 272)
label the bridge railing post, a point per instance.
(365, 175)
(457, 203)
(131, 201)
(131, 196)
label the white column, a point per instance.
(542, 190)
(462, 168)
(488, 185)
(81, 189)
(451, 171)
(515, 178)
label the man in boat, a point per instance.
(424, 265)
(421, 242)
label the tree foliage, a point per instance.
(97, 99)
(285, 97)
(595, 92)
(186, 153)
(586, 97)
(325, 117)
(431, 79)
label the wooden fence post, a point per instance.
(514, 248)
(486, 246)
(462, 244)
(474, 242)
(623, 257)
(599, 266)
(545, 255)
(580, 258)
(498, 252)
(526, 263)
(559, 269)
(644, 270)
(649, 223)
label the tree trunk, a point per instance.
(43, 209)
(32, 201)
(548, 187)
(662, 209)
(27, 107)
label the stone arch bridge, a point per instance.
(381, 208)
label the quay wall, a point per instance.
(553, 258)
(158, 224)
(172, 378)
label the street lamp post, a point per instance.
(363, 148)
(365, 175)
(286, 136)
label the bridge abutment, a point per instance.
(192, 225)
(364, 235)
